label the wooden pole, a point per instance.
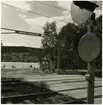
(90, 92)
(91, 72)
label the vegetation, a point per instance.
(49, 42)
(68, 39)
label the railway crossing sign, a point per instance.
(89, 47)
(89, 44)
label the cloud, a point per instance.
(19, 4)
(64, 18)
(65, 4)
(22, 16)
(37, 23)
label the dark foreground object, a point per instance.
(18, 92)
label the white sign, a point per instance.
(78, 15)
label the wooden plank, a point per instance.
(81, 93)
(40, 78)
(54, 78)
(65, 81)
(58, 76)
(73, 85)
(49, 79)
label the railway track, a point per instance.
(16, 91)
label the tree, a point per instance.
(49, 40)
(68, 40)
(70, 35)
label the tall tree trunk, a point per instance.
(58, 59)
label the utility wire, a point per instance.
(8, 33)
(22, 32)
(52, 6)
(33, 12)
(25, 32)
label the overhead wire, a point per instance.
(52, 6)
(34, 12)
(21, 32)
(7, 32)
(25, 32)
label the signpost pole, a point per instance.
(90, 97)
(91, 72)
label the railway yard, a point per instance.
(29, 88)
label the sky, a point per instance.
(19, 19)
